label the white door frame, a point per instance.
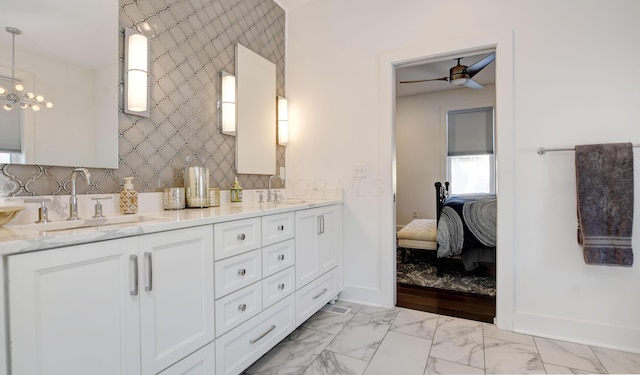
(502, 41)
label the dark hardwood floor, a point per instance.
(458, 304)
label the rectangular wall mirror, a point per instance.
(256, 113)
(68, 52)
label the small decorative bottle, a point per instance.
(128, 197)
(236, 193)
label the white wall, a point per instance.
(421, 146)
(556, 65)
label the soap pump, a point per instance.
(128, 197)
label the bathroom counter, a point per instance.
(19, 237)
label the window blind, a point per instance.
(470, 132)
(10, 130)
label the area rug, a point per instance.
(419, 269)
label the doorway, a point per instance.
(422, 105)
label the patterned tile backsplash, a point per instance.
(194, 41)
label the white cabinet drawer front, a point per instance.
(234, 273)
(315, 295)
(238, 307)
(239, 348)
(202, 362)
(277, 257)
(276, 228)
(278, 286)
(236, 237)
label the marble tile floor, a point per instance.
(372, 341)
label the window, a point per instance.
(470, 155)
(10, 125)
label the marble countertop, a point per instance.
(18, 237)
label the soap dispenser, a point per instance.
(236, 192)
(128, 197)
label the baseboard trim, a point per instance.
(577, 331)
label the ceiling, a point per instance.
(438, 69)
(78, 26)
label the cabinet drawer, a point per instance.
(238, 307)
(277, 257)
(242, 346)
(236, 237)
(237, 272)
(278, 286)
(276, 228)
(316, 294)
(201, 362)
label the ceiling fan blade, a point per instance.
(427, 80)
(478, 66)
(472, 84)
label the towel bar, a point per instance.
(543, 150)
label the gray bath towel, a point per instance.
(604, 178)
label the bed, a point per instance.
(465, 228)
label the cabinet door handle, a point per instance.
(273, 326)
(281, 227)
(280, 286)
(319, 218)
(149, 285)
(321, 293)
(134, 261)
(241, 237)
(242, 307)
(322, 223)
(281, 257)
(242, 272)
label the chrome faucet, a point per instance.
(73, 201)
(269, 188)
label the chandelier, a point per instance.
(14, 95)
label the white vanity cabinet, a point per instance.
(126, 306)
(202, 299)
(318, 258)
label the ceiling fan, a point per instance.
(461, 75)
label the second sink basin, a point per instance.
(86, 223)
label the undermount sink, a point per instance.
(292, 201)
(87, 223)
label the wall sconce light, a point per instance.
(136, 93)
(283, 121)
(227, 104)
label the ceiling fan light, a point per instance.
(2, 90)
(459, 81)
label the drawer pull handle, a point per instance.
(242, 272)
(280, 227)
(242, 307)
(134, 260)
(241, 237)
(273, 326)
(280, 286)
(281, 257)
(321, 293)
